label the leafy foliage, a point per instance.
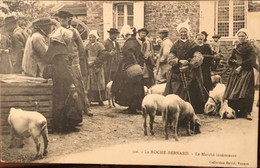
(29, 9)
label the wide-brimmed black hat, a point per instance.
(113, 31)
(43, 22)
(205, 33)
(64, 14)
(144, 30)
(216, 36)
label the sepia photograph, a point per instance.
(148, 83)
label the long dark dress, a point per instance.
(240, 85)
(68, 102)
(206, 65)
(129, 92)
(188, 50)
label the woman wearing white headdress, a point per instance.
(96, 77)
(128, 86)
(185, 78)
(240, 85)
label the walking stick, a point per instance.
(95, 77)
(184, 80)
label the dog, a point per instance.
(25, 124)
(227, 112)
(178, 110)
(152, 104)
(215, 100)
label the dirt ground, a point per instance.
(110, 126)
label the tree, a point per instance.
(28, 9)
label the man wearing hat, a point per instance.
(18, 39)
(113, 54)
(215, 47)
(148, 52)
(34, 58)
(162, 67)
(75, 46)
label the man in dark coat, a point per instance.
(185, 78)
(112, 56)
(76, 49)
(148, 52)
(18, 39)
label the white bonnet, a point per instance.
(183, 25)
(244, 31)
(126, 29)
(94, 32)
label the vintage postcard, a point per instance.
(166, 83)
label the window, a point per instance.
(231, 17)
(253, 6)
(124, 15)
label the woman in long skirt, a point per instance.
(96, 77)
(129, 91)
(240, 85)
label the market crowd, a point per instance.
(53, 48)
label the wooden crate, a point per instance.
(23, 92)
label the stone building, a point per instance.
(214, 17)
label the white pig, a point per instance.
(178, 110)
(27, 124)
(152, 104)
(157, 89)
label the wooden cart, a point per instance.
(27, 93)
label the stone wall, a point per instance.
(160, 14)
(157, 14)
(95, 16)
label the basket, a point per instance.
(134, 71)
